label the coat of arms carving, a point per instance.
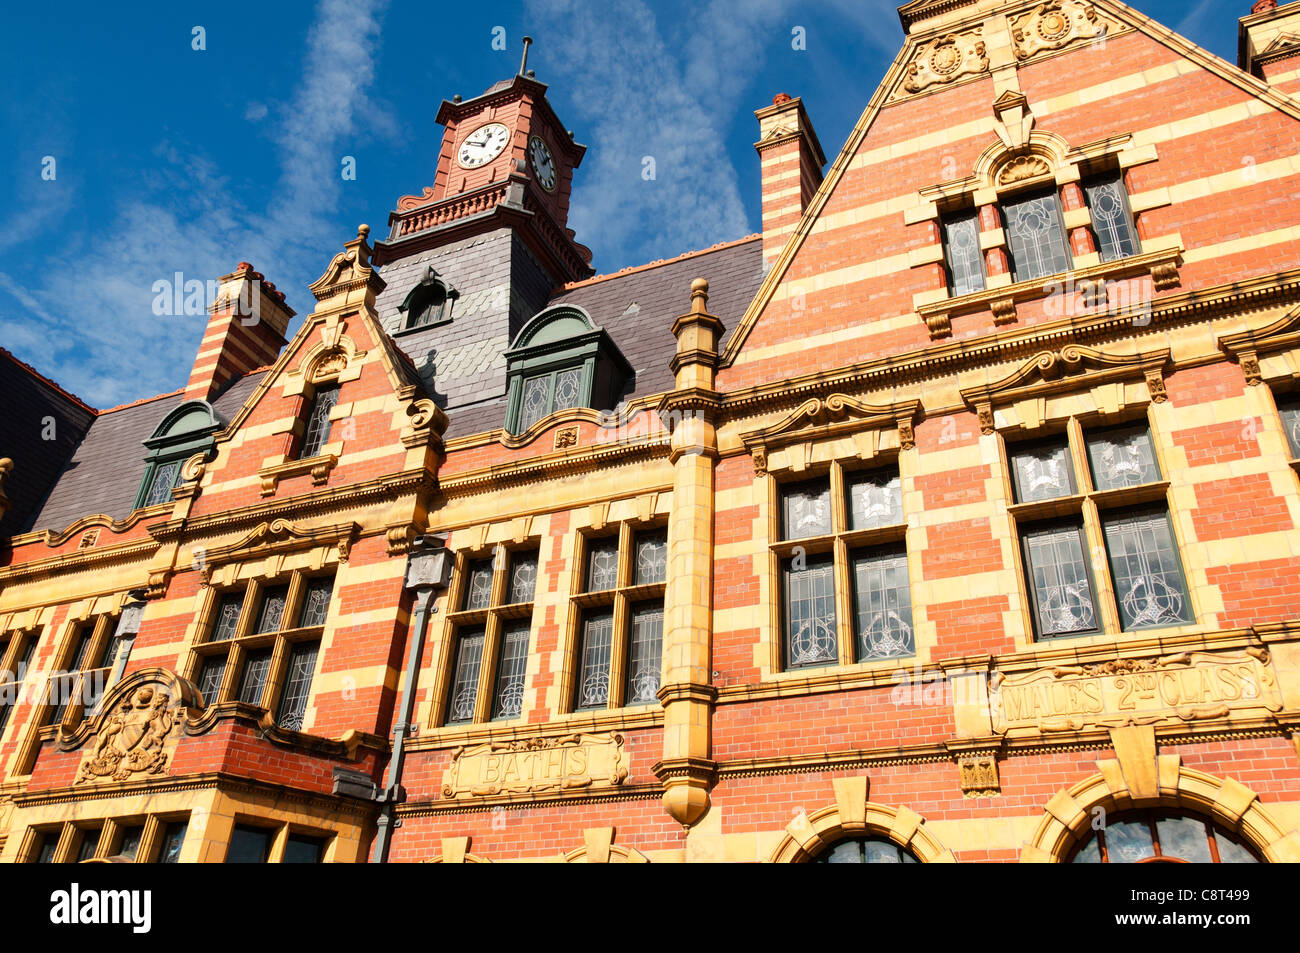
(137, 730)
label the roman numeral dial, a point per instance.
(543, 164)
(482, 145)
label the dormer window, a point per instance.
(187, 430)
(316, 431)
(428, 304)
(558, 361)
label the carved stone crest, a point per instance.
(1053, 26)
(979, 776)
(946, 59)
(132, 739)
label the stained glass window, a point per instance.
(478, 585)
(464, 688)
(1146, 569)
(129, 845)
(810, 631)
(227, 616)
(962, 254)
(11, 681)
(297, 684)
(1036, 236)
(210, 676)
(806, 509)
(49, 844)
(536, 402)
(165, 477)
(1042, 471)
(317, 429)
(61, 688)
(89, 843)
(882, 602)
(508, 696)
(257, 663)
(1059, 581)
(1112, 222)
(865, 850)
(645, 655)
(523, 577)
(602, 564)
(875, 499)
(1289, 407)
(1156, 836)
(596, 651)
(568, 389)
(1122, 457)
(651, 557)
(172, 840)
(272, 611)
(315, 601)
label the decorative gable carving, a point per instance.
(946, 59)
(278, 536)
(836, 415)
(1054, 26)
(349, 270)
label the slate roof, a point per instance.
(34, 404)
(104, 473)
(660, 292)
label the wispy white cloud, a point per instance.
(86, 317)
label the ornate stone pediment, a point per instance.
(137, 728)
(350, 269)
(279, 536)
(818, 418)
(946, 59)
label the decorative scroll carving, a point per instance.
(530, 765)
(566, 437)
(1052, 371)
(979, 776)
(985, 414)
(906, 435)
(1181, 687)
(1250, 369)
(945, 59)
(1004, 310)
(759, 455)
(1156, 388)
(1054, 26)
(318, 467)
(277, 536)
(1164, 275)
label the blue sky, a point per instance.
(169, 159)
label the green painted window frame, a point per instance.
(189, 429)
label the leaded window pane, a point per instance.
(1147, 572)
(1183, 837)
(12, 684)
(568, 389)
(806, 509)
(315, 602)
(651, 558)
(1128, 841)
(597, 648)
(49, 845)
(961, 248)
(165, 477)
(227, 616)
(1060, 585)
(257, 663)
(297, 685)
(478, 586)
(62, 688)
(210, 676)
(1042, 471)
(508, 696)
(1122, 457)
(1112, 222)
(1289, 408)
(317, 430)
(875, 499)
(1036, 236)
(602, 565)
(172, 840)
(536, 400)
(464, 683)
(89, 842)
(645, 654)
(523, 577)
(865, 850)
(882, 602)
(130, 843)
(272, 612)
(810, 634)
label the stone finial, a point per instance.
(363, 231)
(700, 295)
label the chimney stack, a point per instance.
(791, 160)
(246, 331)
(1268, 43)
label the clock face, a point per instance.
(482, 145)
(543, 164)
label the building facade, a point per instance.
(953, 517)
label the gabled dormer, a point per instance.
(188, 430)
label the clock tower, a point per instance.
(480, 251)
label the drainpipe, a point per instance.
(428, 569)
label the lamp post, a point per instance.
(428, 569)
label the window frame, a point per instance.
(1102, 176)
(308, 414)
(1090, 509)
(492, 619)
(845, 545)
(620, 601)
(947, 219)
(1033, 192)
(281, 642)
(17, 649)
(70, 837)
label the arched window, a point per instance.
(187, 430)
(429, 303)
(1160, 836)
(865, 850)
